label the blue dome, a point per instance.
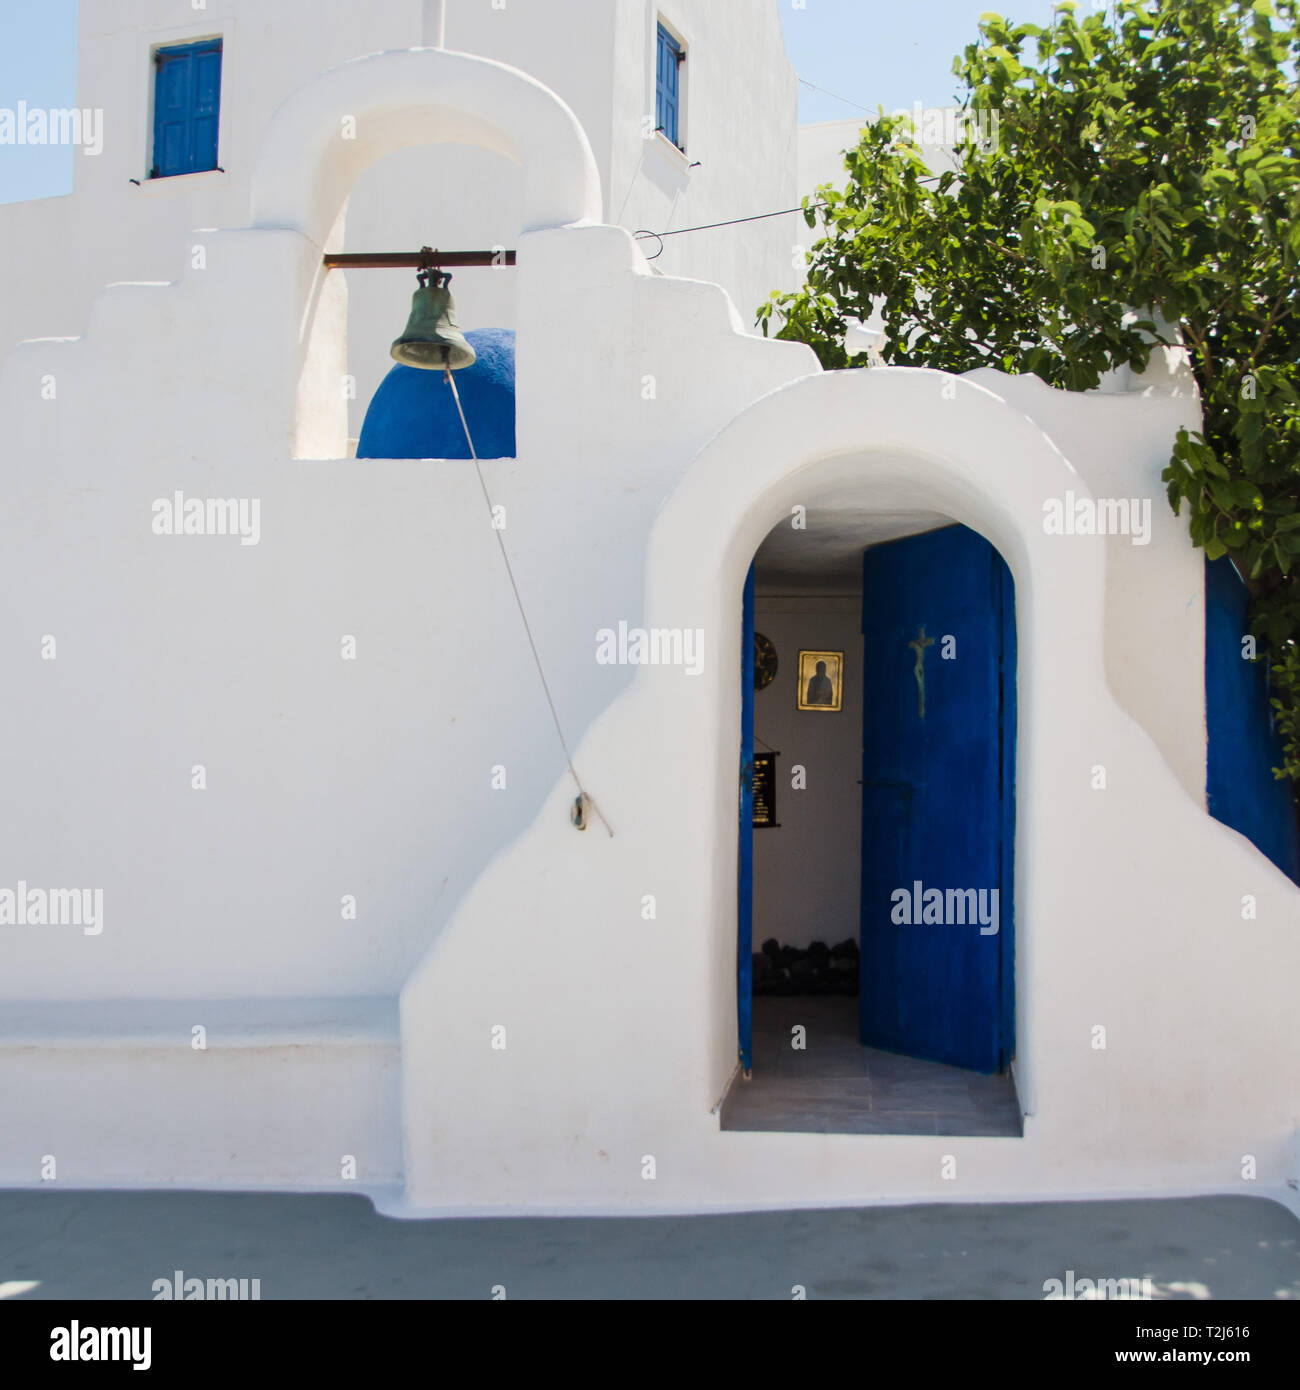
(413, 415)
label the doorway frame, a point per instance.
(890, 439)
(1003, 1004)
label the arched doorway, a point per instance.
(902, 450)
(876, 934)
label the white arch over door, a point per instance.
(1123, 898)
(899, 439)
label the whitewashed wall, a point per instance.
(1129, 900)
(482, 908)
(325, 778)
(597, 55)
(821, 153)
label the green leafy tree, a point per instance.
(1140, 185)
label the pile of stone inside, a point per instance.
(820, 969)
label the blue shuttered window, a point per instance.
(667, 86)
(186, 108)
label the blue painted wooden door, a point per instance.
(745, 885)
(1244, 746)
(938, 762)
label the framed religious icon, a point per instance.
(821, 681)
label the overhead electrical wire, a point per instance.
(812, 86)
(644, 232)
(710, 226)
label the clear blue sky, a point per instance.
(38, 65)
(869, 52)
(890, 53)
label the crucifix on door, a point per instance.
(918, 645)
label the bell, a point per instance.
(433, 338)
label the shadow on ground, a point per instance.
(89, 1245)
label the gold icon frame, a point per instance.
(807, 671)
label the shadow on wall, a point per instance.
(413, 414)
(1244, 746)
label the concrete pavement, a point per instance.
(91, 1245)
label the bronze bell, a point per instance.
(433, 339)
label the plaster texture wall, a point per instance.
(480, 906)
(821, 153)
(53, 268)
(399, 554)
(1129, 901)
(325, 777)
(1155, 590)
(121, 1095)
(598, 55)
(740, 131)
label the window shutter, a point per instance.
(666, 86)
(187, 108)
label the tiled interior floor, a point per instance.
(837, 1086)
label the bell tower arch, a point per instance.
(324, 136)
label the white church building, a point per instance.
(458, 831)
